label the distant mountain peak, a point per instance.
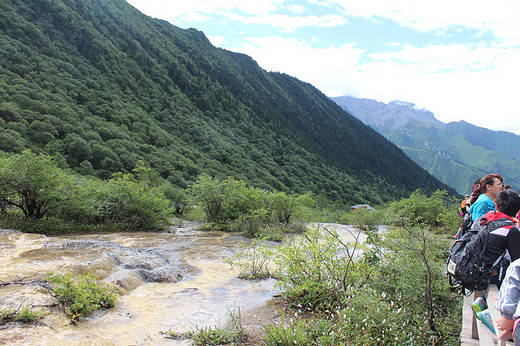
(442, 149)
(387, 116)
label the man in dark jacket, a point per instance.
(506, 237)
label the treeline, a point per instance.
(102, 88)
(38, 196)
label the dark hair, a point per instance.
(508, 202)
(480, 186)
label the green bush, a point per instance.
(316, 269)
(234, 334)
(301, 332)
(230, 204)
(253, 223)
(225, 201)
(120, 200)
(394, 293)
(34, 186)
(215, 336)
(82, 294)
(125, 200)
(23, 314)
(31, 183)
(436, 211)
(413, 267)
(368, 317)
(253, 260)
(364, 219)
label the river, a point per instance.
(174, 280)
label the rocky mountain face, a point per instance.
(456, 153)
(386, 117)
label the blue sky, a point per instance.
(460, 59)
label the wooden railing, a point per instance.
(474, 332)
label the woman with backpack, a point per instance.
(484, 194)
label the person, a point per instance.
(507, 304)
(463, 210)
(484, 194)
(482, 200)
(464, 202)
(507, 187)
(498, 241)
(507, 237)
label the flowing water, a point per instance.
(169, 281)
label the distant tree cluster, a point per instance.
(34, 186)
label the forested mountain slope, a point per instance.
(456, 153)
(101, 87)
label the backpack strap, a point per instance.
(498, 259)
(492, 225)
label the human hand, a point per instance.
(505, 325)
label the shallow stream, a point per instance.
(169, 281)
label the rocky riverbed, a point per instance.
(175, 280)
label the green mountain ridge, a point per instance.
(456, 153)
(102, 87)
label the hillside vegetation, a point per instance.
(456, 153)
(101, 87)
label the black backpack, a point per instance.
(466, 224)
(466, 267)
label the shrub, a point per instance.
(393, 293)
(234, 334)
(215, 336)
(24, 313)
(34, 186)
(32, 183)
(437, 211)
(252, 260)
(317, 268)
(80, 295)
(364, 219)
(300, 332)
(253, 223)
(366, 318)
(133, 202)
(120, 200)
(224, 201)
(413, 266)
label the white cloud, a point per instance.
(296, 8)
(499, 17)
(328, 67)
(216, 40)
(289, 24)
(455, 82)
